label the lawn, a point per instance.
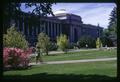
(76, 71)
(71, 72)
(80, 55)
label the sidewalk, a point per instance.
(75, 61)
(70, 50)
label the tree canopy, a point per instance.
(41, 9)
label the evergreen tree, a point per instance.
(113, 26)
(14, 39)
(113, 21)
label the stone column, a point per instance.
(32, 30)
(54, 30)
(57, 29)
(23, 25)
(18, 24)
(51, 30)
(44, 26)
(60, 29)
(47, 26)
(71, 34)
(28, 29)
(36, 28)
(39, 27)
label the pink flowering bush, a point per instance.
(15, 57)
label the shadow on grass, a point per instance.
(44, 77)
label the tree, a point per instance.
(106, 41)
(39, 8)
(86, 40)
(113, 26)
(13, 11)
(98, 43)
(43, 42)
(113, 21)
(62, 42)
(14, 39)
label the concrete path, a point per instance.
(75, 61)
(70, 50)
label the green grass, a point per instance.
(106, 68)
(69, 72)
(80, 55)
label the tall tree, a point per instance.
(41, 9)
(13, 10)
(112, 28)
(113, 20)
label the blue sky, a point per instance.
(91, 13)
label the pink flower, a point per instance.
(19, 56)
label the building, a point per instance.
(63, 23)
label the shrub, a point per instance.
(62, 42)
(86, 40)
(71, 46)
(14, 39)
(15, 57)
(98, 43)
(107, 41)
(43, 42)
(53, 47)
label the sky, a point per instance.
(91, 13)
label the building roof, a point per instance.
(60, 12)
(91, 26)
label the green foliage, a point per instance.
(107, 37)
(62, 42)
(71, 45)
(98, 43)
(39, 8)
(106, 41)
(53, 46)
(112, 28)
(113, 20)
(14, 39)
(43, 42)
(86, 40)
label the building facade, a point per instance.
(63, 23)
